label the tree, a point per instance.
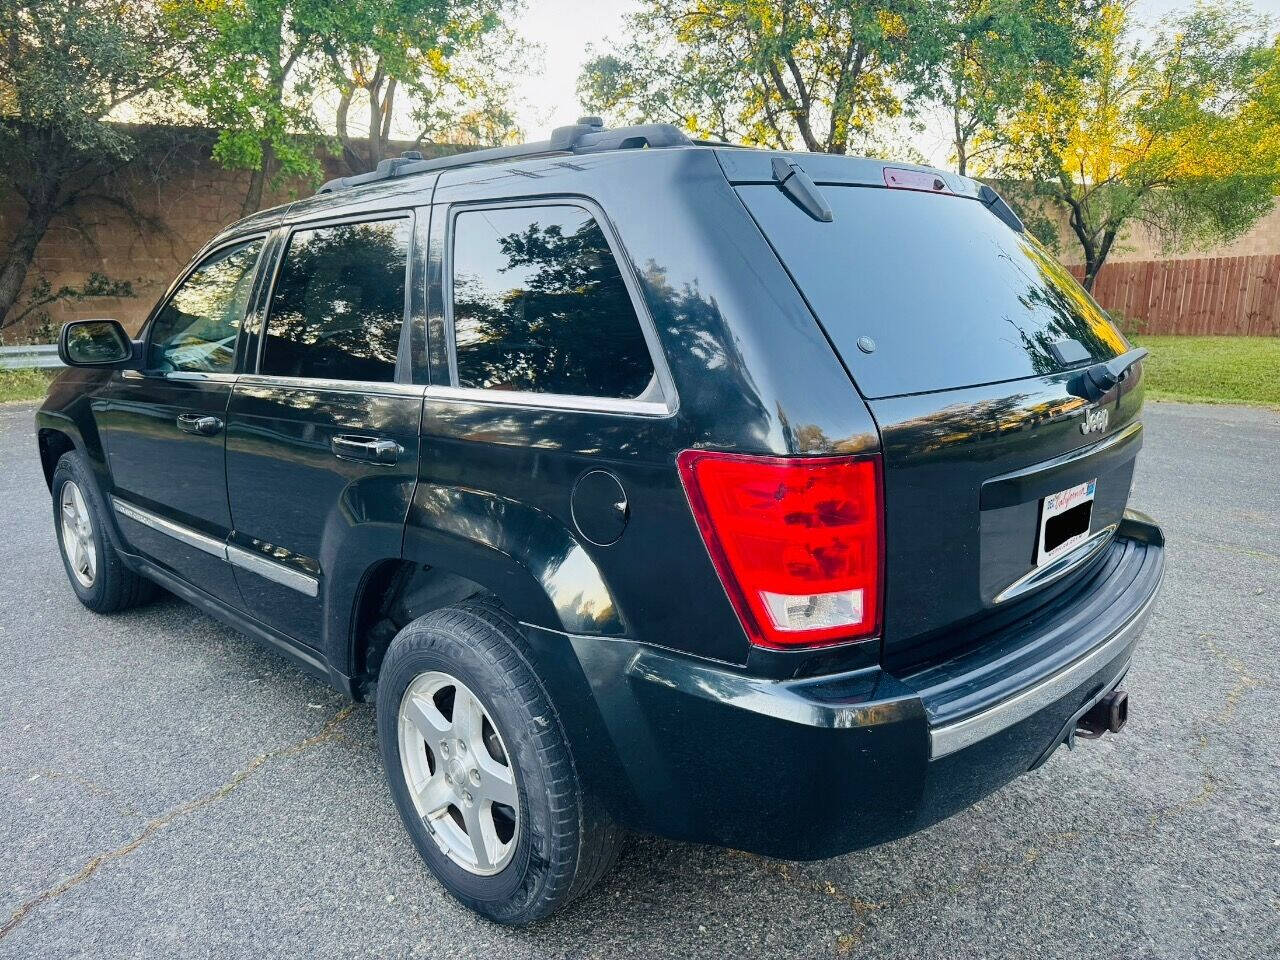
(1177, 133)
(259, 69)
(443, 69)
(993, 52)
(813, 74)
(65, 67)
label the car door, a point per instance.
(165, 423)
(550, 421)
(322, 440)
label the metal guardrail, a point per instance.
(41, 355)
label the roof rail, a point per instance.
(588, 135)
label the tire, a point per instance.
(561, 842)
(95, 571)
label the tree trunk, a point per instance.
(257, 181)
(1094, 264)
(1091, 268)
(20, 254)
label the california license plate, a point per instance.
(1064, 521)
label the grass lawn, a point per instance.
(24, 384)
(1213, 369)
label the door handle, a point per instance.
(200, 426)
(366, 449)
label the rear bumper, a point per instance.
(807, 769)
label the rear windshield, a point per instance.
(950, 295)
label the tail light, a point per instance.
(797, 542)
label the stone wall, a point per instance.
(179, 200)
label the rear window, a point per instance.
(339, 304)
(950, 295)
(540, 306)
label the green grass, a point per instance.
(24, 384)
(1213, 369)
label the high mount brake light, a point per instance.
(797, 542)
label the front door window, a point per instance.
(197, 328)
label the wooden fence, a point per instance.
(1220, 295)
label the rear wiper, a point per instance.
(795, 183)
(1096, 380)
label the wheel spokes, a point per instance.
(497, 783)
(485, 845)
(434, 796)
(426, 718)
(468, 718)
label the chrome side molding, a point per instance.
(237, 556)
(192, 538)
(277, 572)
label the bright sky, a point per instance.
(565, 30)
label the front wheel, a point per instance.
(480, 769)
(97, 574)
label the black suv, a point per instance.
(751, 498)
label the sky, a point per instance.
(566, 30)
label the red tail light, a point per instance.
(796, 541)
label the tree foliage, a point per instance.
(993, 52)
(259, 72)
(270, 67)
(445, 70)
(1177, 132)
(819, 75)
(66, 67)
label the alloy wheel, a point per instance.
(77, 535)
(459, 773)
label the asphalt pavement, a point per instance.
(170, 789)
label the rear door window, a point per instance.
(946, 293)
(540, 305)
(339, 303)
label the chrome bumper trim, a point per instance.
(948, 739)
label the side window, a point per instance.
(197, 328)
(539, 305)
(338, 304)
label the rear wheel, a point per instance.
(480, 769)
(97, 574)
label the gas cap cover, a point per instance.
(600, 508)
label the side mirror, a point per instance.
(94, 343)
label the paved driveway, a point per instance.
(172, 790)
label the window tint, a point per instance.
(539, 305)
(338, 304)
(197, 328)
(950, 295)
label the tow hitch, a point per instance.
(1108, 715)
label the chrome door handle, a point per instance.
(366, 449)
(200, 426)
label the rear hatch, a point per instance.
(968, 341)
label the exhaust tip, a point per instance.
(1108, 715)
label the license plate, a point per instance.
(1064, 521)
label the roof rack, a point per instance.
(588, 135)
